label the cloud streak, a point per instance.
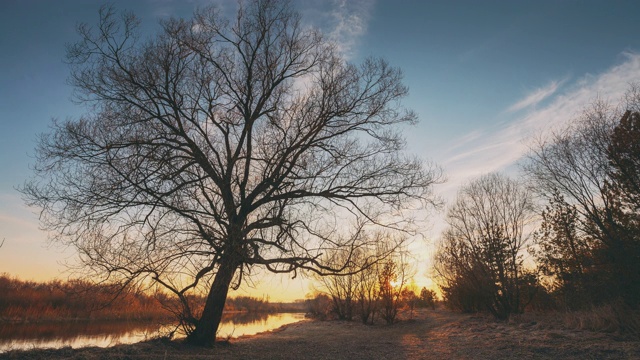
(536, 97)
(501, 147)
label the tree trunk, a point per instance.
(207, 327)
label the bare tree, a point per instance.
(410, 299)
(572, 161)
(483, 245)
(220, 145)
(341, 287)
(367, 293)
(355, 290)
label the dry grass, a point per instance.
(613, 319)
(56, 300)
(436, 334)
(607, 318)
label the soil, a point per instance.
(428, 334)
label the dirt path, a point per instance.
(437, 335)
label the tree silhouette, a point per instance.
(394, 273)
(624, 156)
(221, 145)
(565, 254)
(427, 298)
(592, 164)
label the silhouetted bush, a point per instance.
(319, 307)
(480, 259)
(427, 298)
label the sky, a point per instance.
(484, 78)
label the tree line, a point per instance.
(74, 300)
(57, 300)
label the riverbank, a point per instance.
(436, 334)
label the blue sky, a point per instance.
(484, 77)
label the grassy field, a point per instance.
(438, 334)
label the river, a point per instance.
(109, 333)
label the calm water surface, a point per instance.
(109, 333)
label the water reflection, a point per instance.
(75, 334)
(253, 323)
(109, 333)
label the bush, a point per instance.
(319, 307)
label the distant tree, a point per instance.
(464, 281)
(388, 294)
(394, 274)
(221, 145)
(481, 255)
(70, 300)
(409, 299)
(341, 287)
(564, 254)
(428, 298)
(319, 306)
(366, 293)
(355, 291)
(249, 304)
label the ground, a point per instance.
(438, 334)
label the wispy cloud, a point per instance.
(501, 147)
(351, 19)
(344, 21)
(536, 96)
